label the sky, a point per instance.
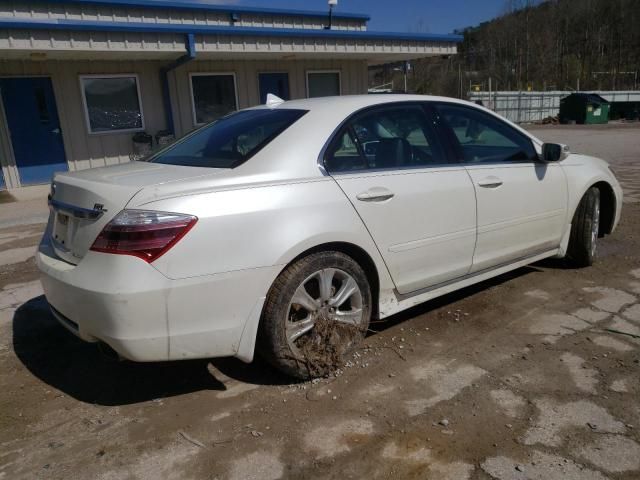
(429, 16)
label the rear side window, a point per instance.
(387, 138)
(483, 138)
(230, 141)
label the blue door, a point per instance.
(274, 83)
(34, 128)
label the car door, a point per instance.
(419, 209)
(521, 201)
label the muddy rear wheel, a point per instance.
(317, 312)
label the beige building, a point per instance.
(80, 78)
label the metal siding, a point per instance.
(85, 151)
(194, 6)
(353, 78)
(116, 13)
(217, 44)
(89, 38)
(88, 43)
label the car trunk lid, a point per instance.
(82, 203)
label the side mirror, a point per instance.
(554, 152)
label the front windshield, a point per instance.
(229, 141)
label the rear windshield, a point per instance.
(229, 141)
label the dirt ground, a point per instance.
(515, 378)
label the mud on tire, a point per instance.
(333, 309)
(584, 230)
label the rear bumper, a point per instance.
(144, 316)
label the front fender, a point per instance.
(582, 173)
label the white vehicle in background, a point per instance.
(275, 221)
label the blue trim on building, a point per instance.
(138, 27)
(199, 6)
(190, 45)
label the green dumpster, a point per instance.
(584, 108)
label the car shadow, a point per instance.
(81, 371)
(554, 264)
(436, 303)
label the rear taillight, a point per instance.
(144, 234)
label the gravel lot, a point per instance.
(515, 378)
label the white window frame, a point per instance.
(339, 72)
(86, 110)
(194, 118)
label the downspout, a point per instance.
(190, 45)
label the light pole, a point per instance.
(332, 3)
(406, 67)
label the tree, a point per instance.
(593, 44)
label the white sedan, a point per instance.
(287, 227)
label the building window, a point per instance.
(213, 96)
(323, 83)
(112, 103)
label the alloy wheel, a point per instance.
(330, 294)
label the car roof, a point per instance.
(335, 109)
(309, 135)
(357, 102)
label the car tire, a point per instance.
(585, 230)
(308, 336)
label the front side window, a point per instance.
(482, 138)
(214, 96)
(387, 138)
(323, 84)
(229, 141)
(112, 103)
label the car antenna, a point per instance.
(273, 100)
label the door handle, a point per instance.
(55, 130)
(490, 182)
(375, 194)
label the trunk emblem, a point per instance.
(99, 207)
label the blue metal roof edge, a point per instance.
(191, 5)
(138, 27)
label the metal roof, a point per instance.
(139, 27)
(201, 6)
